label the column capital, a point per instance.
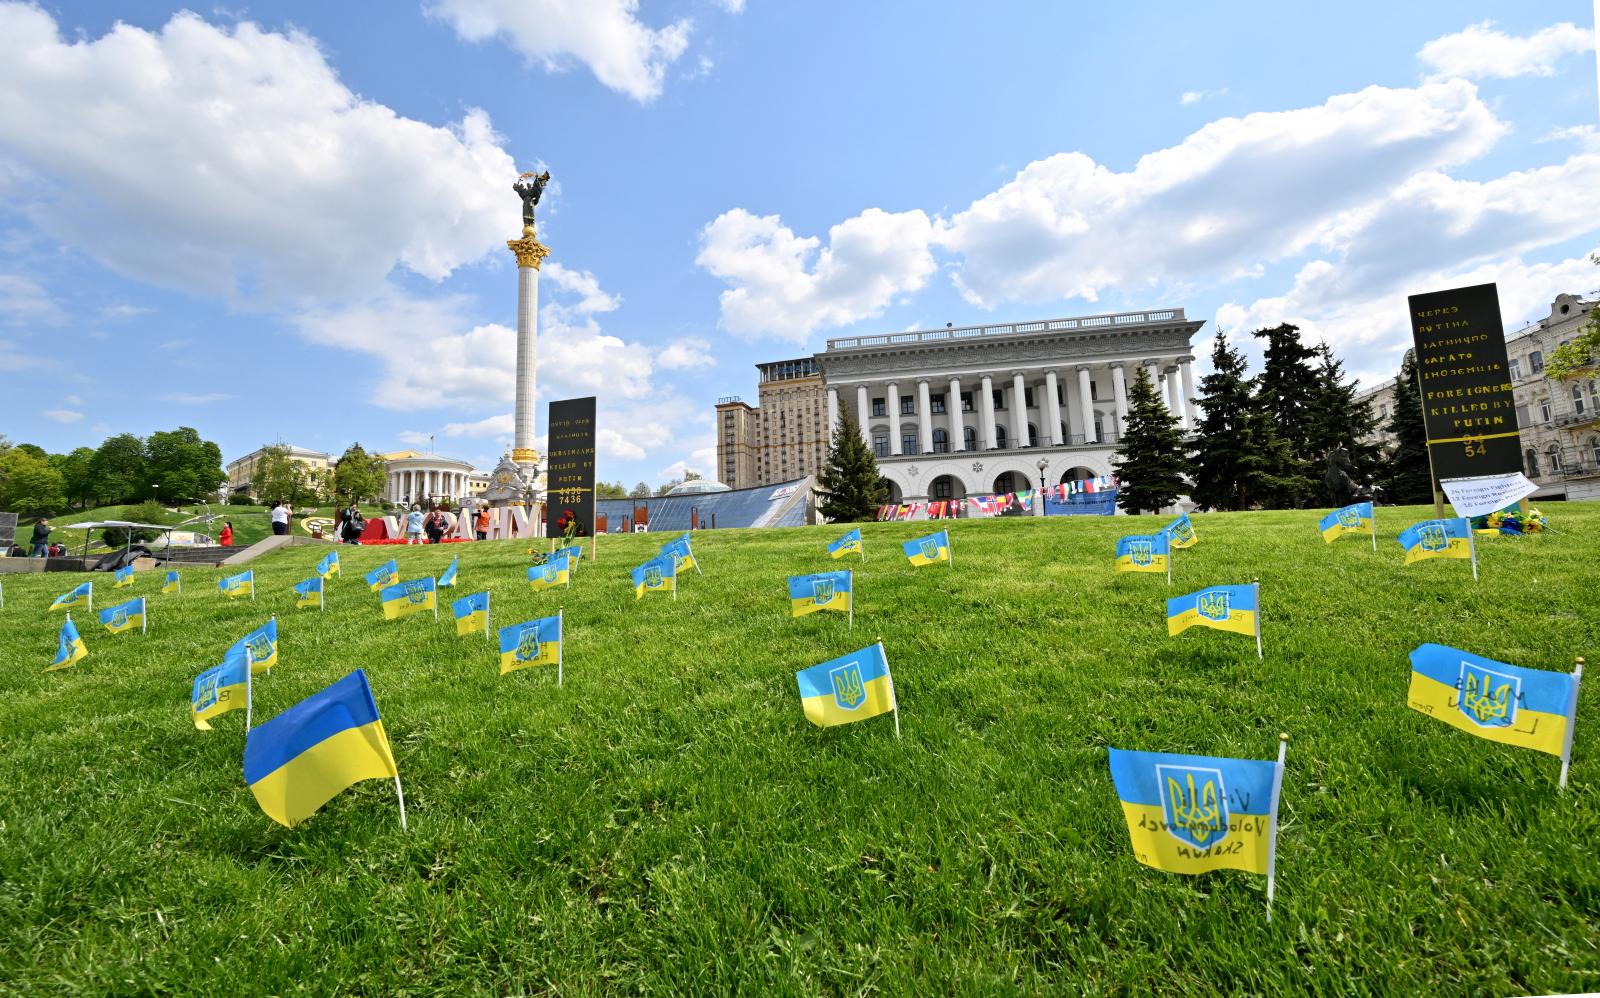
(1018, 374)
(1117, 365)
(1081, 368)
(1186, 360)
(894, 386)
(1150, 362)
(987, 378)
(529, 251)
(922, 381)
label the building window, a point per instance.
(1000, 437)
(1033, 437)
(1027, 398)
(969, 438)
(1536, 362)
(942, 488)
(1577, 399)
(1094, 391)
(936, 403)
(878, 408)
(1383, 412)
(1553, 455)
(941, 442)
(1594, 450)
(1533, 463)
(1544, 410)
(908, 406)
(908, 442)
(999, 400)
(880, 445)
(966, 401)
(1516, 368)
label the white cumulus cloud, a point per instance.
(64, 415)
(690, 351)
(24, 301)
(1480, 51)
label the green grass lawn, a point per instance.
(669, 822)
(250, 523)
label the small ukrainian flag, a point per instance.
(124, 577)
(82, 594)
(386, 574)
(678, 547)
(848, 544)
(534, 642)
(174, 583)
(124, 616)
(243, 584)
(1225, 608)
(329, 566)
(1180, 532)
(929, 550)
(659, 574)
(412, 596)
(448, 579)
(1144, 553)
(556, 571)
(326, 743)
(1352, 519)
(1439, 539)
(472, 614)
(574, 553)
(308, 593)
(260, 646)
(849, 688)
(69, 646)
(1510, 704)
(822, 591)
(1196, 813)
(218, 690)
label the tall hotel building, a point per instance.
(966, 410)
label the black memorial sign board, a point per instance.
(1467, 405)
(569, 475)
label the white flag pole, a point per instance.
(895, 700)
(400, 795)
(144, 615)
(561, 642)
(435, 601)
(852, 576)
(694, 559)
(274, 619)
(1572, 719)
(1373, 522)
(322, 595)
(1272, 832)
(249, 694)
(91, 597)
(486, 595)
(1472, 548)
(1259, 653)
(950, 550)
(253, 586)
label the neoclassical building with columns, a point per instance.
(423, 478)
(974, 410)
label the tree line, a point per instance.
(169, 466)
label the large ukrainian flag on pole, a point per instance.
(69, 646)
(822, 591)
(534, 642)
(1353, 519)
(849, 688)
(1197, 813)
(659, 574)
(929, 550)
(386, 574)
(124, 616)
(1439, 539)
(408, 597)
(555, 571)
(243, 584)
(1145, 553)
(1510, 704)
(83, 594)
(1225, 608)
(326, 743)
(1180, 532)
(848, 544)
(218, 690)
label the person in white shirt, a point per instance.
(414, 525)
(280, 518)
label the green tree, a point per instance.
(1337, 419)
(1235, 447)
(28, 485)
(1150, 464)
(278, 477)
(850, 485)
(118, 470)
(359, 476)
(1409, 478)
(180, 465)
(641, 491)
(610, 490)
(34, 450)
(76, 475)
(1287, 390)
(148, 511)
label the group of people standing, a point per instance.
(420, 527)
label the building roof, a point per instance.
(698, 486)
(401, 455)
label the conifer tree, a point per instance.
(1287, 389)
(1235, 447)
(1151, 463)
(851, 487)
(1409, 478)
(1338, 420)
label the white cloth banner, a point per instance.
(1484, 494)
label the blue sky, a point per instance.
(287, 222)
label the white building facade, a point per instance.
(424, 478)
(974, 410)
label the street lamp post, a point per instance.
(1043, 464)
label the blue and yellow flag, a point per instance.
(822, 591)
(472, 614)
(124, 616)
(658, 575)
(124, 577)
(1195, 813)
(556, 571)
(574, 553)
(326, 743)
(79, 596)
(218, 690)
(929, 550)
(69, 646)
(1180, 532)
(848, 544)
(243, 584)
(678, 548)
(1353, 519)
(1437, 539)
(849, 688)
(174, 583)
(328, 567)
(1143, 553)
(448, 579)
(411, 596)
(261, 643)
(1225, 608)
(534, 642)
(386, 574)
(308, 593)
(1533, 708)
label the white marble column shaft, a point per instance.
(894, 418)
(1053, 407)
(958, 429)
(925, 415)
(1119, 391)
(1085, 401)
(1019, 410)
(987, 408)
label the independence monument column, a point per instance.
(530, 253)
